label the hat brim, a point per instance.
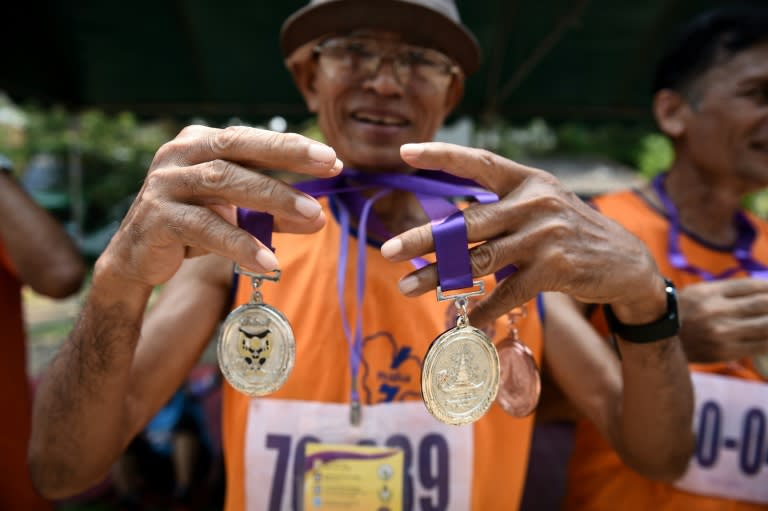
(422, 25)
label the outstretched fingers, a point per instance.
(221, 183)
(490, 170)
(200, 230)
(250, 147)
(484, 222)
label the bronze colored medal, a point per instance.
(520, 385)
(460, 376)
(256, 348)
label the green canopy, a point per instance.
(579, 59)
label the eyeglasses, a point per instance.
(362, 57)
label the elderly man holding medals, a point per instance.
(711, 100)
(336, 339)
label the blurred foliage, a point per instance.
(655, 155)
(637, 146)
(625, 144)
(758, 202)
(115, 151)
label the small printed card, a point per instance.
(344, 477)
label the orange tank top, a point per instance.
(15, 398)
(479, 466)
(598, 480)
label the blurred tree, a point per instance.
(114, 151)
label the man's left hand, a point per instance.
(556, 241)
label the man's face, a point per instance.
(726, 130)
(367, 113)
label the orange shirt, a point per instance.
(261, 462)
(598, 480)
(15, 398)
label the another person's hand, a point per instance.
(187, 205)
(556, 241)
(724, 320)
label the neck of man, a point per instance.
(706, 204)
(400, 211)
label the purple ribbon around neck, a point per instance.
(434, 191)
(742, 248)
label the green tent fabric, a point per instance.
(561, 59)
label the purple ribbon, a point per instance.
(742, 248)
(434, 191)
(450, 234)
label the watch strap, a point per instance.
(666, 326)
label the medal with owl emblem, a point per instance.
(256, 347)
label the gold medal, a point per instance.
(460, 375)
(256, 347)
(520, 385)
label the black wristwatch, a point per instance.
(664, 327)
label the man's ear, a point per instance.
(455, 92)
(304, 73)
(671, 110)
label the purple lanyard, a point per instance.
(434, 191)
(742, 249)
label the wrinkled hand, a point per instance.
(724, 320)
(557, 242)
(187, 204)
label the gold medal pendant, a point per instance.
(256, 347)
(520, 381)
(460, 375)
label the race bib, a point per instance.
(731, 458)
(437, 459)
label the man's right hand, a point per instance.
(724, 320)
(187, 205)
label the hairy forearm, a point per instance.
(82, 418)
(657, 395)
(641, 401)
(656, 409)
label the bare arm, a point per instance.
(42, 252)
(639, 399)
(108, 381)
(113, 373)
(558, 243)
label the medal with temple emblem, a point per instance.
(460, 375)
(256, 347)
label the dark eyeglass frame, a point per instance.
(345, 46)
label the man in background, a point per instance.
(711, 100)
(35, 251)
